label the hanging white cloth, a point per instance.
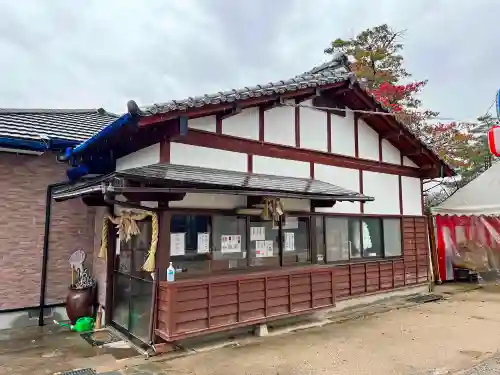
(367, 241)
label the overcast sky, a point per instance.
(93, 53)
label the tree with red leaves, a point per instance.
(376, 59)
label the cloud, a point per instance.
(102, 53)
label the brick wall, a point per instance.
(23, 183)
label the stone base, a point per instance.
(261, 330)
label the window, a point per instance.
(203, 243)
(296, 249)
(361, 238)
(229, 239)
(371, 238)
(264, 243)
(392, 237)
(188, 244)
(337, 239)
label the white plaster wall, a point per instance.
(244, 124)
(279, 125)
(343, 177)
(408, 162)
(197, 156)
(367, 141)
(146, 156)
(412, 196)
(343, 134)
(207, 123)
(385, 189)
(210, 201)
(390, 154)
(281, 167)
(313, 128)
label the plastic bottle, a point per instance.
(170, 272)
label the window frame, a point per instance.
(248, 220)
(362, 258)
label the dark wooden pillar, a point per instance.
(110, 266)
(162, 261)
(163, 250)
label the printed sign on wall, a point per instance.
(203, 243)
(177, 244)
(231, 244)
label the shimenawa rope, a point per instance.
(127, 227)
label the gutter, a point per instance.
(45, 252)
(28, 145)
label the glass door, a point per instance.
(133, 287)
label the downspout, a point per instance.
(45, 252)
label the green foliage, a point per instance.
(375, 55)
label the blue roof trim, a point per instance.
(106, 131)
(26, 144)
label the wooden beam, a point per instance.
(413, 152)
(232, 112)
(259, 148)
(392, 135)
(334, 106)
(321, 204)
(94, 201)
(155, 197)
(273, 104)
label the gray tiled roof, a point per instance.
(183, 175)
(335, 70)
(62, 124)
(331, 72)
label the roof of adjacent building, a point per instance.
(330, 72)
(74, 125)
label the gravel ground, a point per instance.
(432, 338)
(458, 335)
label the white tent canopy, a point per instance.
(481, 196)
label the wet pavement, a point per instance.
(49, 349)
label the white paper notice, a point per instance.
(260, 249)
(177, 244)
(289, 241)
(257, 233)
(203, 243)
(231, 244)
(269, 245)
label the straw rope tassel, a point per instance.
(149, 264)
(104, 238)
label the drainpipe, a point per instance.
(45, 253)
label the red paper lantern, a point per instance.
(494, 140)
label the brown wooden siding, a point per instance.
(192, 307)
(415, 250)
(357, 279)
